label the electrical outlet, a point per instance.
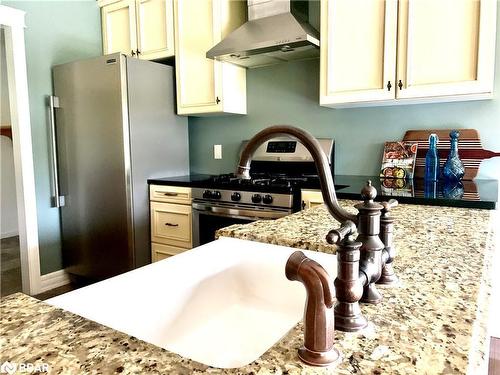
(217, 151)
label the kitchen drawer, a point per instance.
(160, 251)
(170, 194)
(171, 224)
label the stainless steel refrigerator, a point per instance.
(114, 126)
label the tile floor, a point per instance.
(10, 275)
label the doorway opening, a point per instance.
(10, 255)
(19, 253)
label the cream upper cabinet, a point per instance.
(446, 47)
(206, 86)
(119, 27)
(142, 28)
(381, 52)
(358, 51)
(155, 29)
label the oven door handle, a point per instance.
(239, 212)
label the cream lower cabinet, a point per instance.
(383, 52)
(205, 86)
(311, 198)
(160, 251)
(142, 28)
(171, 221)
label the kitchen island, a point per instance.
(434, 321)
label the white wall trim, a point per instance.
(9, 234)
(54, 280)
(13, 23)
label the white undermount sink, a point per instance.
(222, 304)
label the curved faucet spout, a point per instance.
(319, 157)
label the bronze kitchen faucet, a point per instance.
(318, 336)
(364, 256)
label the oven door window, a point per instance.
(209, 224)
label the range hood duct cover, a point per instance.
(277, 31)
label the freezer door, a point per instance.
(158, 141)
(94, 166)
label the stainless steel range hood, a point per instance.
(276, 31)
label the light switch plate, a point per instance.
(217, 151)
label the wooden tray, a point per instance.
(470, 149)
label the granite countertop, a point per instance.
(433, 322)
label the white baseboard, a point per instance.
(9, 234)
(54, 280)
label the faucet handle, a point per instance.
(368, 193)
(389, 205)
(336, 236)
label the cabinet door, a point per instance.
(119, 27)
(311, 198)
(446, 47)
(198, 78)
(358, 51)
(160, 252)
(206, 86)
(171, 224)
(155, 29)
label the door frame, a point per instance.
(13, 22)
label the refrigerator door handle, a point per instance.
(57, 200)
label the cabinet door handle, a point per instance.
(217, 100)
(171, 225)
(168, 194)
(389, 85)
(400, 85)
(138, 52)
(132, 52)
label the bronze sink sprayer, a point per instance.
(364, 255)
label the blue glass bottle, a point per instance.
(432, 159)
(453, 169)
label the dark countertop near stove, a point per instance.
(470, 194)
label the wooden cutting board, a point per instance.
(470, 149)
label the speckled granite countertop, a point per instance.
(433, 322)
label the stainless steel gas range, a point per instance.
(281, 167)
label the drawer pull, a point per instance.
(171, 225)
(168, 194)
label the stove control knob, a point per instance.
(216, 194)
(235, 196)
(207, 194)
(256, 198)
(267, 199)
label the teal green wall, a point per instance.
(56, 32)
(289, 94)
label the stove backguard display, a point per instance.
(281, 146)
